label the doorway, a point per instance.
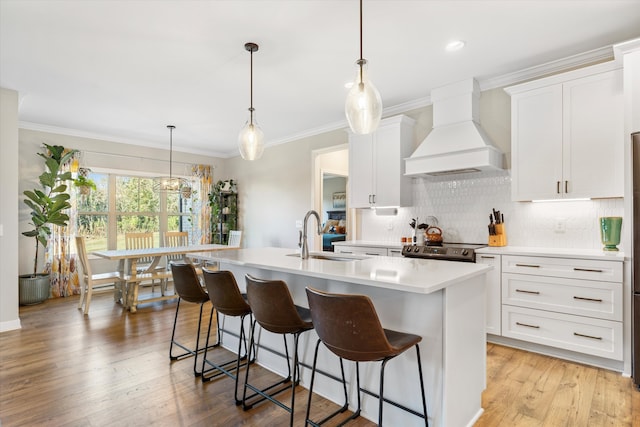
(330, 195)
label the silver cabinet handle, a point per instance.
(528, 265)
(368, 253)
(558, 187)
(590, 270)
(587, 299)
(487, 257)
(587, 336)
(528, 326)
(346, 252)
(566, 187)
(528, 292)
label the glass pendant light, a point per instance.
(363, 106)
(251, 137)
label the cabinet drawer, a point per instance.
(601, 300)
(361, 250)
(609, 271)
(394, 252)
(597, 337)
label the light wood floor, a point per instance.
(112, 369)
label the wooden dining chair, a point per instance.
(235, 238)
(173, 239)
(145, 264)
(90, 280)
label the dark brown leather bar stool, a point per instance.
(227, 300)
(187, 286)
(349, 326)
(274, 310)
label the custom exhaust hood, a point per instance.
(457, 143)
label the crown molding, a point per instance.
(628, 46)
(103, 137)
(553, 67)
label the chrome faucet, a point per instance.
(304, 252)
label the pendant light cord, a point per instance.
(251, 88)
(171, 127)
(361, 30)
(361, 56)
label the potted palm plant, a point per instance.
(47, 205)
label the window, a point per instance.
(129, 204)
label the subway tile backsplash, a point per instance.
(462, 205)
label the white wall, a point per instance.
(275, 191)
(9, 210)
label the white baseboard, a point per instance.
(10, 325)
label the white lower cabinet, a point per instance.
(361, 250)
(394, 252)
(577, 333)
(493, 312)
(573, 304)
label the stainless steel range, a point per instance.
(447, 251)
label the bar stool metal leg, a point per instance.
(342, 409)
(223, 367)
(187, 351)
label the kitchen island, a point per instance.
(444, 302)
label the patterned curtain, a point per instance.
(205, 177)
(61, 264)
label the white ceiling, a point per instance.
(123, 70)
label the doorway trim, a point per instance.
(317, 173)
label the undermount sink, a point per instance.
(328, 257)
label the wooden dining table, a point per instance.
(128, 266)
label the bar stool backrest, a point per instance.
(224, 293)
(186, 283)
(273, 307)
(349, 326)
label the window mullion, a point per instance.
(112, 234)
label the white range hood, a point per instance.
(457, 143)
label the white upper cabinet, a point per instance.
(568, 136)
(376, 165)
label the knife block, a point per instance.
(500, 238)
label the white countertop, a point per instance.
(554, 252)
(369, 244)
(421, 276)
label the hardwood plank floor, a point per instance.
(112, 369)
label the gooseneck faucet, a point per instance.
(304, 252)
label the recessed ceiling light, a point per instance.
(454, 45)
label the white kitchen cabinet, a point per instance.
(361, 250)
(586, 335)
(567, 303)
(567, 135)
(493, 293)
(376, 165)
(394, 252)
